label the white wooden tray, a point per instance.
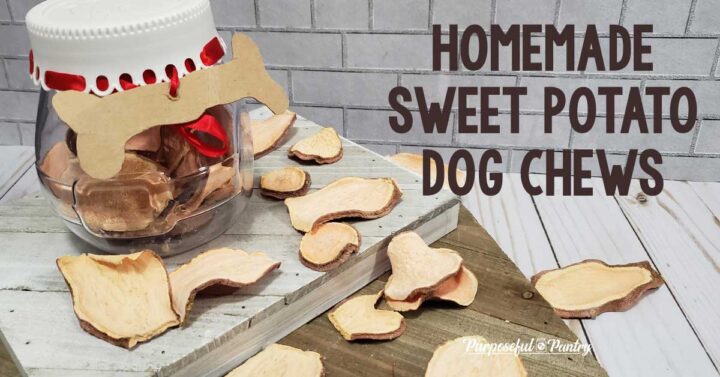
(38, 326)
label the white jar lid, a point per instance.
(112, 45)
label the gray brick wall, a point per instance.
(339, 58)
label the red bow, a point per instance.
(209, 125)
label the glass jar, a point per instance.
(169, 197)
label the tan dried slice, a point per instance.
(357, 318)
(285, 183)
(225, 267)
(324, 147)
(461, 289)
(218, 176)
(174, 150)
(269, 133)
(407, 305)
(132, 201)
(467, 356)
(414, 163)
(329, 246)
(229, 189)
(592, 287)
(56, 160)
(418, 269)
(146, 141)
(63, 169)
(366, 198)
(278, 360)
(135, 164)
(122, 299)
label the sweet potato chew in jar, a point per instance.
(142, 135)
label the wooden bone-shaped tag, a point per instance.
(104, 124)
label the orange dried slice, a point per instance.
(368, 198)
(461, 289)
(590, 288)
(278, 360)
(466, 356)
(329, 246)
(285, 183)
(63, 169)
(418, 269)
(56, 160)
(122, 299)
(357, 318)
(132, 201)
(224, 267)
(324, 147)
(268, 134)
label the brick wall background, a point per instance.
(339, 58)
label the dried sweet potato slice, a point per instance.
(63, 169)
(406, 305)
(278, 360)
(56, 160)
(328, 246)
(122, 299)
(347, 197)
(147, 141)
(132, 201)
(461, 289)
(418, 269)
(357, 318)
(174, 150)
(414, 163)
(268, 134)
(218, 176)
(225, 267)
(285, 183)
(590, 288)
(324, 147)
(465, 356)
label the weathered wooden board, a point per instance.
(625, 343)
(38, 325)
(682, 235)
(499, 281)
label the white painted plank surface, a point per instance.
(41, 321)
(511, 219)
(309, 306)
(44, 333)
(16, 160)
(682, 236)
(709, 193)
(654, 338)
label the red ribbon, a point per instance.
(64, 81)
(211, 53)
(209, 125)
(174, 80)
